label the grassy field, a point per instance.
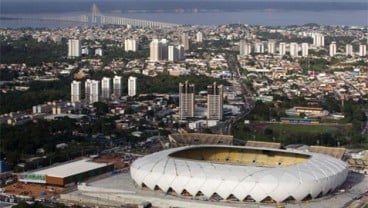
(310, 129)
(292, 134)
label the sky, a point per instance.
(345, 1)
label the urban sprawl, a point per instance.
(81, 104)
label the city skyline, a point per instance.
(183, 103)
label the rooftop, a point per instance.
(200, 138)
(272, 145)
(336, 152)
(69, 169)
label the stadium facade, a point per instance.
(224, 172)
(67, 173)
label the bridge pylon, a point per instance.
(95, 11)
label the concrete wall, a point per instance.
(93, 189)
(116, 200)
(85, 200)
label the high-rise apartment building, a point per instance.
(333, 49)
(199, 36)
(294, 49)
(130, 44)
(87, 89)
(362, 50)
(85, 51)
(181, 55)
(158, 50)
(318, 40)
(74, 48)
(282, 49)
(106, 88)
(117, 85)
(76, 91)
(95, 91)
(214, 102)
(245, 48)
(271, 47)
(172, 53)
(186, 100)
(98, 52)
(132, 86)
(155, 50)
(163, 49)
(349, 50)
(258, 47)
(305, 49)
(185, 41)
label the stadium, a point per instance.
(236, 173)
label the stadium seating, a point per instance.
(242, 156)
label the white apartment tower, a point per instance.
(294, 49)
(282, 49)
(185, 41)
(318, 40)
(94, 95)
(349, 50)
(199, 36)
(245, 48)
(181, 55)
(214, 102)
(98, 52)
(175, 53)
(271, 47)
(172, 53)
(155, 50)
(130, 44)
(158, 50)
(163, 49)
(76, 91)
(333, 48)
(362, 50)
(106, 88)
(117, 85)
(85, 51)
(186, 100)
(258, 47)
(305, 48)
(74, 48)
(87, 89)
(132, 86)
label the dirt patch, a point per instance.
(33, 190)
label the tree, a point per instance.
(31, 52)
(39, 93)
(268, 131)
(101, 108)
(331, 105)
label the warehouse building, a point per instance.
(66, 173)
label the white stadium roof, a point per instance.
(70, 169)
(319, 174)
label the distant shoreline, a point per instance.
(144, 6)
(268, 13)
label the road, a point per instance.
(365, 129)
(225, 127)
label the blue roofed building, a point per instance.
(4, 167)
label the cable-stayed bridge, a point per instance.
(96, 18)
